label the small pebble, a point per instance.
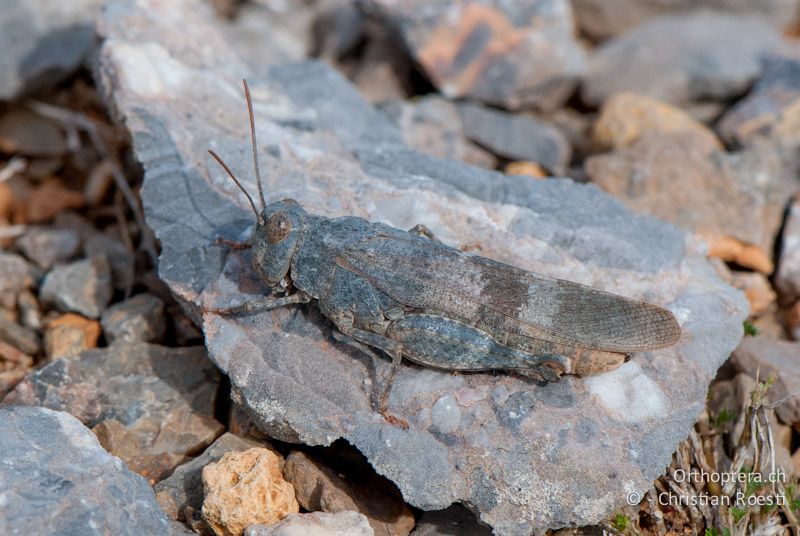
(140, 318)
(119, 258)
(245, 488)
(29, 312)
(48, 245)
(49, 199)
(316, 524)
(81, 287)
(28, 133)
(756, 288)
(15, 275)
(531, 169)
(69, 335)
(26, 339)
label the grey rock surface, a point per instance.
(140, 318)
(315, 524)
(82, 286)
(154, 404)
(516, 136)
(510, 54)
(43, 42)
(606, 18)
(682, 58)
(512, 451)
(57, 479)
(184, 486)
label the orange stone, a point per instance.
(69, 335)
(245, 488)
(531, 169)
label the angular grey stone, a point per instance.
(140, 318)
(516, 136)
(770, 110)
(43, 42)
(453, 521)
(120, 259)
(682, 58)
(63, 482)
(160, 400)
(605, 18)
(315, 524)
(185, 485)
(80, 287)
(523, 470)
(48, 245)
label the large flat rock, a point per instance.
(523, 456)
(57, 479)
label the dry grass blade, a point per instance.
(749, 496)
(72, 119)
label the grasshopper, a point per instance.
(410, 295)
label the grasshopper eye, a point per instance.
(278, 227)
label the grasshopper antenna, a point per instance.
(239, 184)
(253, 141)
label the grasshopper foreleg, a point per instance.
(233, 244)
(263, 304)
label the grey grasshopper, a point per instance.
(408, 294)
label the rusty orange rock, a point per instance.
(498, 53)
(245, 488)
(625, 117)
(731, 249)
(69, 335)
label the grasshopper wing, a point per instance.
(500, 298)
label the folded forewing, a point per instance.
(425, 274)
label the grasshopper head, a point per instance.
(275, 240)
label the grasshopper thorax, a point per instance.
(275, 240)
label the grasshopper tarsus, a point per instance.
(423, 231)
(395, 420)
